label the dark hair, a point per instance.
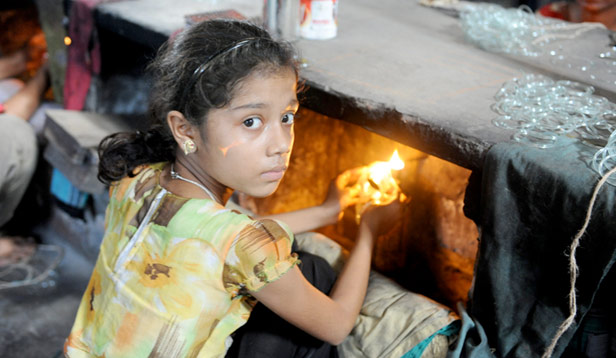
(176, 65)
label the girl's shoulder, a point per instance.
(143, 179)
(262, 224)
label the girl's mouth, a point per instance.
(274, 174)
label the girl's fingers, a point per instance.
(349, 177)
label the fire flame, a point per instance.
(380, 185)
(395, 161)
(376, 183)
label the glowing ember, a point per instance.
(375, 183)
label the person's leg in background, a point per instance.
(18, 150)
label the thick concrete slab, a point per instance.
(406, 71)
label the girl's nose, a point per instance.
(281, 140)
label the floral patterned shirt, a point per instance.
(173, 274)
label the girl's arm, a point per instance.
(327, 213)
(309, 219)
(331, 318)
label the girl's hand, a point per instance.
(340, 195)
(378, 220)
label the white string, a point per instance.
(175, 175)
(574, 270)
(580, 30)
(569, 26)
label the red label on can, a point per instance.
(319, 19)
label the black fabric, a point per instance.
(266, 335)
(532, 203)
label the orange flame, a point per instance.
(395, 162)
(376, 184)
(380, 185)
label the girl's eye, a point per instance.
(288, 118)
(253, 123)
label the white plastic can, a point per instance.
(319, 19)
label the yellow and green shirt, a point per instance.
(173, 274)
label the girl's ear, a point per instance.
(181, 128)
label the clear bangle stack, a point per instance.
(605, 159)
(543, 112)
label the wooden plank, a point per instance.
(72, 139)
(76, 132)
(83, 177)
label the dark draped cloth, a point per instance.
(529, 203)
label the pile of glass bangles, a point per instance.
(605, 159)
(515, 30)
(542, 111)
(498, 29)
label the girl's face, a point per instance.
(247, 144)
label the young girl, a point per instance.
(178, 273)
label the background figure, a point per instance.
(18, 143)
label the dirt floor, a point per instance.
(37, 319)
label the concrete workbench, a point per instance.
(396, 68)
